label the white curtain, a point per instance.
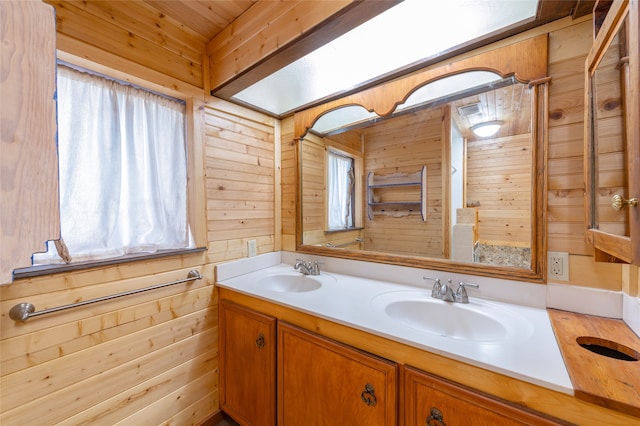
(340, 192)
(122, 157)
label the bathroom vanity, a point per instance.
(330, 346)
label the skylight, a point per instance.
(405, 34)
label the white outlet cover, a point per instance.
(558, 266)
(251, 248)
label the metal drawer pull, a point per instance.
(260, 341)
(436, 418)
(368, 396)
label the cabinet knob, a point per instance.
(260, 341)
(617, 202)
(436, 418)
(368, 396)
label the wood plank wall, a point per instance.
(151, 358)
(405, 144)
(288, 184)
(568, 48)
(240, 184)
(314, 221)
(140, 35)
(498, 178)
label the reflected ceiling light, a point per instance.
(488, 128)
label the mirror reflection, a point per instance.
(608, 138)
(430, 180)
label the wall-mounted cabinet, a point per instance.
(397, 194)
(612, 136)
(28, 144)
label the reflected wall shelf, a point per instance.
(397, 194)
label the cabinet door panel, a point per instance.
(322, 382)
(247, 365)
(434, 401)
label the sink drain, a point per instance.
(608, 348)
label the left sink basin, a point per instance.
(291, 283)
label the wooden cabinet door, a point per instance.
(322, 382)
(247, 365)
(433, 401)
(28, 147)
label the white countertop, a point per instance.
(528, 351)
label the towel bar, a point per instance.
(24, 311)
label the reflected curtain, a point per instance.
(340, 192)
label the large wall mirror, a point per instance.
(440, 170)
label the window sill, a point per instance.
(40, 270)
(333, 231)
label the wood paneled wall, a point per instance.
(148, 358)
(405, 144)
(240, 156)
(568, 48)
(288, 179)
(498, 175)
(314, 200)
(140, 35)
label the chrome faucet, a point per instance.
(461, 292)
(307, 267)
(445, 292)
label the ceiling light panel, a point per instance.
(406, 33)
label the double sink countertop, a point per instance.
(522, 344)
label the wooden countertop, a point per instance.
(596, 378)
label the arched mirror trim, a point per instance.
(506, 61)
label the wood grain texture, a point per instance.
(383, 98)
(240, 181)
(504, 193)
(596, 378)
(459, 405)
(556, 404)
(320, 381)
(135, 32)
(115, 360)
(403, 145)
(248, 365)
(29, 174)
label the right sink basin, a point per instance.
(477, 321)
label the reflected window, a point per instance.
(340, 193)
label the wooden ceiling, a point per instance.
(171, 36)
(206, 18)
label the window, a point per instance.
(340, 194)
(123, 169)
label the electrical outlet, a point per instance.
(558, 265)
(251, 248)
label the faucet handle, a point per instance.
(461, 292)
(316, 267)
(435, 291)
